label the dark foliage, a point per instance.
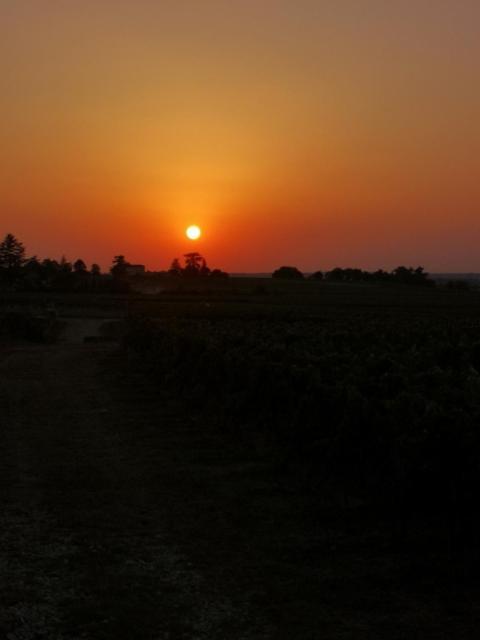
(19, 273)
(12, 258)
(79, 267)
(175, 268)
(22, 325)
(218, 274)
(288, 273)
(195, 267)
(119, 267)
(382, 411)
(401, 275)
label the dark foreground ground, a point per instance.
(125, 516)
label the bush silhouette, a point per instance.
(288, 273)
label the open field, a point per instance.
(254, 296)
(173, 481)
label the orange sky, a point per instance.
(293, 132)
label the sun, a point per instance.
(193, 232)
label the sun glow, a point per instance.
(193, 232)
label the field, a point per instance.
(248, 459)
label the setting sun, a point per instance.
(193, 232)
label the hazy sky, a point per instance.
(314, 133)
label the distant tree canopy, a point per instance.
(175, 268)
(12, 254)
(193, 264)
(79, 267)
(402, 275)
(195, 267)
(288, 273)
(17, 271)
(119, 267)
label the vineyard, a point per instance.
(254, 460)
(368, 407)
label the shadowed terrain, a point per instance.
(126, 513)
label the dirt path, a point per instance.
(85, 552)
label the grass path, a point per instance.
(123, 518)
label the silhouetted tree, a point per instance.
(193, 264)
(12, 257)
(409, 275)
(64, 279)
(354, 275)
(318, 275)
(381, 276)
(95, 276)
(32, 274)
(119, 267)
(288, 273)
(420, 276)
(65, 265)
(335, 275)
(79, 267)
(403, 275)
(175, 268)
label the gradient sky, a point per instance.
(314, 133)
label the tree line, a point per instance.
(19, 271)
(403, 275)
(30, 273)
